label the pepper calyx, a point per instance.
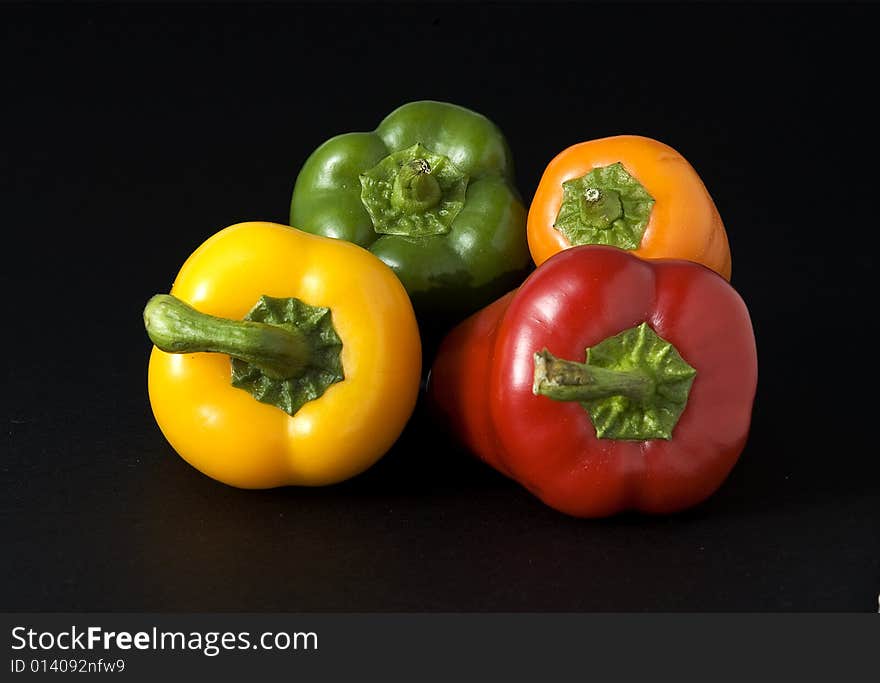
(606, 205)
(633, 385)
(322, 369)
(413, 192)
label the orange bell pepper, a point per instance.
(631, 192)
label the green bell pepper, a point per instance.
(431, 193)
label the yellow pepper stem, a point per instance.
(176, 327)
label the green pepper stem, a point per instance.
(415, 190)
(565, 380)
(176, 327)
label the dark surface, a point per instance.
(131, 134)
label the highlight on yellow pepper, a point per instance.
(282, 358)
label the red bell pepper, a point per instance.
(605, 382)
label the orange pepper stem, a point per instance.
(606, 205)
(601, 208)
(176, 327)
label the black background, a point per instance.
(132, 133)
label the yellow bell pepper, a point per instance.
(282, 358)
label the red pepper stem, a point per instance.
(565, 380)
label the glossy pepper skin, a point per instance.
(483, 254)
(683, 221)
(223, 430)
(483, 376)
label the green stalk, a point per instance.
(634, 385)
(415, 189)
(606, 205)
(565, 380)
(413, 192)
(175, 327)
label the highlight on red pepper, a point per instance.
(605, 382)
